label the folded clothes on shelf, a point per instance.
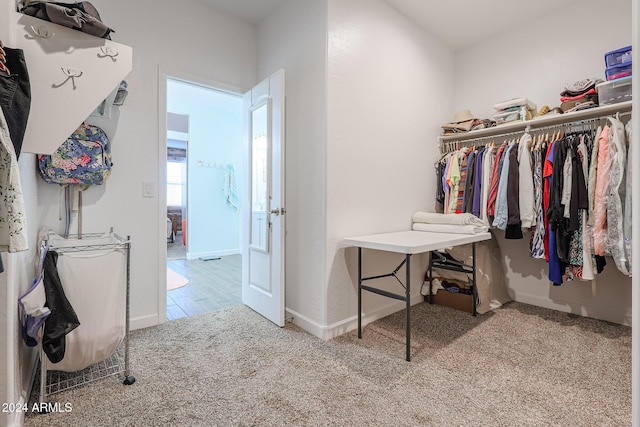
(580, 87)
(464, 121)
(515, 103)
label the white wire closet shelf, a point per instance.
(575, 118)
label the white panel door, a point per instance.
(263, 201)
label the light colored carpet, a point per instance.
(175, 280)
(518, 366)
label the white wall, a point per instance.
(195, 40)
(536, 61)
(215, 140)
(293, 37)
(390, 88)
(16, 359)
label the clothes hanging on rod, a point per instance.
(568, 191)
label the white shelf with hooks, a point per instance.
(70, 73)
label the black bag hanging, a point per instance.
(81, 16)
(63, 318)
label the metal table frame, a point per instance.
(410, 243)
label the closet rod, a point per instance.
(561, 119)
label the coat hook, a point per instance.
(71, 75)
(70, 72)
(42, 31)
(108, 51)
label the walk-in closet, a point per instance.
(368, 86)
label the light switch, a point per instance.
(148, 189)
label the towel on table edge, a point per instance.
(452, 219)
(450, 228)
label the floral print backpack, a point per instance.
(84, 158)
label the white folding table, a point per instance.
(411, 243)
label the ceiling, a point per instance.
(462, 23)
(457, 23)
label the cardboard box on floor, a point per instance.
(454, 300)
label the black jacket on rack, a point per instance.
(63, 318)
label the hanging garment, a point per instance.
(495, 178)
(600, 197)
(440, 165)
(556, 209)
(579, 194)
(13, 221)
(547, 172)
(586, 272)
(587, 238)
(567, 171)
(15, 96)
(514, 225)
(525, 183)
(462, 182)
(467, 199)
(488, 162)
(230, 189)
(577, 204)
(537, 237)
(453, 180)
(556, 266)
(445, 183)
(501, 209)
(32, 304)
(616, 187)
(63, 318)
(477, 184)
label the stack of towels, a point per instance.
(465, 223)
(513, 110)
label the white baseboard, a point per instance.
(327, 332)
(143, 322)
(311, 326)
(594, 312)
(196, 255)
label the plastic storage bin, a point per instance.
(614, 91)
(618, 56)
(619, 71)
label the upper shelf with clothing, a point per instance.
(542, 122)
(70, 73)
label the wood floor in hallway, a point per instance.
(213, 285)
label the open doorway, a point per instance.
(204, 162)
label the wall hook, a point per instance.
(70, 72)
(108, 51)
(71, 75)
(42, 31)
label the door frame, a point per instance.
(164, 73)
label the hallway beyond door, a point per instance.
(212, 285)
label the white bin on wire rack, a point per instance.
(95, 272)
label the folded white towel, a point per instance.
(450, 228)
(453, 219)
(516, 102)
